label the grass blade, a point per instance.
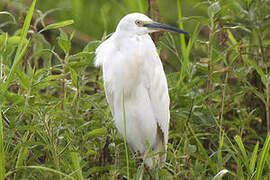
(185, 63)
(26, 26)
(203, 150)
(253, 158)
(231, 37)
(125, 133)
(21, 50)
(185, 53)
(247, 60)
(46, 169)
(181, 26)
(219, 152)
(57, 25)
(263, 156)
(256, 67)
(76, 165)
(240, 144)
(2, 152)
(239, 169)
(22, 153)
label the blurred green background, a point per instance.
(93, 18)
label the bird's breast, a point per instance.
(125, 69)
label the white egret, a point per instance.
(133, 75)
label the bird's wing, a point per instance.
(158, 93)
(109, 95)
(102, 55)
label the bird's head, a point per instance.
(140, 24)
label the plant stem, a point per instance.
(261, 46)
(220, 118)
(185, 57)
(181, 26)
(125, 133)
(1, 67)
(63, 82)
(209, 63)
(267, 106)
(2, 152)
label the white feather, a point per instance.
(132, 70)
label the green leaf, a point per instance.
(47, 81)
(91, 152)
(64, 44)
(74, 77)
(91, 46)
(45, 169)
(213, 9)
(203, 151)
(23, 153)
(25, 29)
(97, 132)
(199, 19)
(53, 77)
(23, 79)
(15, 98)
(253, 158)
(239, 169)
(263, 156)
(231, 37)
(75, 159)
(82, 55)
(22, 47)
(257, 68)
(240, 144)
(58, 25)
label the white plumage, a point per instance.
(132, 69)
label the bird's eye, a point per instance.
(138, 23)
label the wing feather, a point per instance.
(159, 97)
(109, 96)
(101, 60)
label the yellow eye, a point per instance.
(138, 23)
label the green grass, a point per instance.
(2, 152)
(125, 133)
(55, 122)
(22, 46)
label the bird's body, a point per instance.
(133, 75)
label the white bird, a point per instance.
(133, 75)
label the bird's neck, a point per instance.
(124, 35)
(124, 38)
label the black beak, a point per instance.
(164, 27)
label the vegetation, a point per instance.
(55, 122)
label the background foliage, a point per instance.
(55, 122)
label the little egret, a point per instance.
(135, 83)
